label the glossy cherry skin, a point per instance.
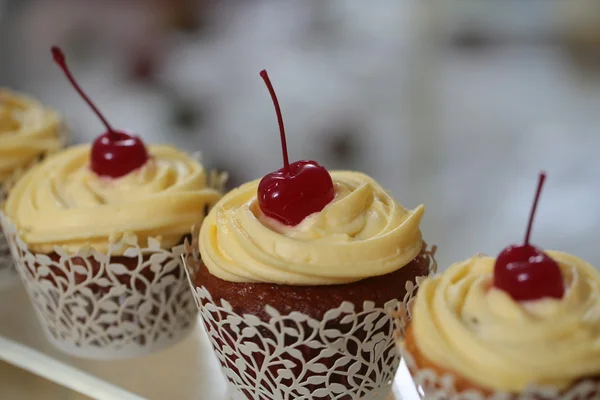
(527, 273)
(117, 153)
(289, 197)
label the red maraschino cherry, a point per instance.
(525, 272)
(297, 190)
(114, 153)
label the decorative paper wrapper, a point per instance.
(95, 305)
(8, 273)
(349, 354)
(433, 386)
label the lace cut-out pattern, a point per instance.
(297, 357)
(95, 305)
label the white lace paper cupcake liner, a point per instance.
(349, 354)
(433, 386)
(96, 305)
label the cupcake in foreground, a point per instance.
(28, 132)
(97, 234)
(524, 325)
(298, 280)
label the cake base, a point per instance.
(421, 362)
(315, 301)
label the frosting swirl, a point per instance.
(27, 131)
(362, 233)
(464, 324)
(62, 202)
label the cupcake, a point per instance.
(28, 132)
(524, 325)
(297, 282)
(97, 236)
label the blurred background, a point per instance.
(453, 103)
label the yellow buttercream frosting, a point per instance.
(28, 130)
(362, 233)
(464, 324)
(61, 201)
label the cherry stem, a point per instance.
(59, 59)
(286, 161)
(535, 203)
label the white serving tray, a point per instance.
(186, 371)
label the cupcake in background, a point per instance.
(97, 235)
(28, 132)
(296, 280)
(524, 325)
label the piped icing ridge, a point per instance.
(62, 202)
(464, 324)
(28, 130)
(362, 233)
